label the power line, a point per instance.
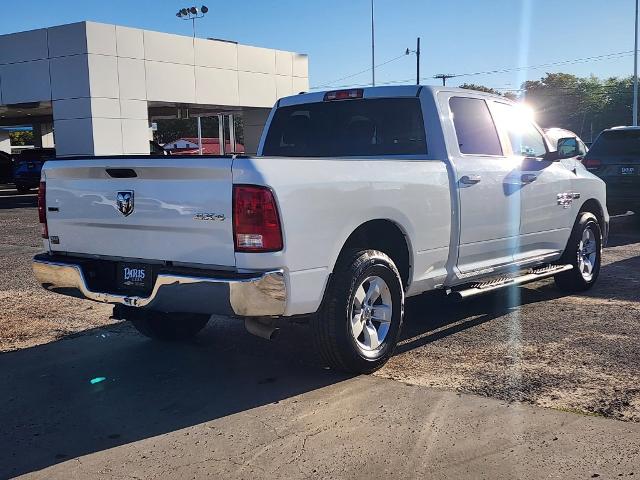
(607, 56)
(595, 58)
(329, 84)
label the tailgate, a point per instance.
(174, 209)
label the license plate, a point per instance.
(627, 170)
(135, 276)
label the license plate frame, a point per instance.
(628, 170)
(134, 276)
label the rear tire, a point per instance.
(359, 322)
(584, 252)
(167, 326)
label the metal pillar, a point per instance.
(232, 133)
(199, 136)
(635, 73)
(221, 141)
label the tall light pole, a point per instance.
(373, 49)
(193, 13)
(635, 73)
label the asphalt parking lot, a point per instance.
(461, 396)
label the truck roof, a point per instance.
(622, 127)
(378, 92)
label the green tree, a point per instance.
(20, 138)
(480, 88)
(585, 105)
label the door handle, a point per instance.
(470, 179)
(528, 177)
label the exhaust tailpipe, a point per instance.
(260, 329)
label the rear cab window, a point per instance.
(344, 128)
(616, 143)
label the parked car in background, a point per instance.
(6, 168)
(615, 157)
(28, 165)
(156, 149)
(578, 146)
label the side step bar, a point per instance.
(532, 275)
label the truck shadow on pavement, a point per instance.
(50, 411)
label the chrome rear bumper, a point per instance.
(261, 295)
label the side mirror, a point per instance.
(568, 147)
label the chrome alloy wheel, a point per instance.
(370, 313)
(587, 253)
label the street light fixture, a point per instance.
(192, 13)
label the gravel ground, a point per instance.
(30, 315)
(576, 353)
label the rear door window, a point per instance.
(475, 130)
(365, 127)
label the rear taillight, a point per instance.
(591, 163)
(256, 225)
(42, 209)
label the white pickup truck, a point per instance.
(356, 200)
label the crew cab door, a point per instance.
(544, 187)
(489, 211)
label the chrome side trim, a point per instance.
(262, 295)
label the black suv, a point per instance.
(615, 157)
(28, 165)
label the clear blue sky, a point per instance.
(457, 36)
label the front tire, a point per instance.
(166, 326)
(584, 252)
(359, 322)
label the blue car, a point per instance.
(27, 167)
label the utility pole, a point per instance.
(635, 73)
(417, 52)
(373, 49)
(444, 77)
(418, 62)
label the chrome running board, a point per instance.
(532, 275)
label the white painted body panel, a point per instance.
(167, 195)
(453, 232)
(323, 200)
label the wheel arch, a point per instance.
(388, 237)
(592, 205)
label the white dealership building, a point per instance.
(94, 89)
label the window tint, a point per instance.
(616, 142)
(525, 138)
(474, 126)
(367, 127)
